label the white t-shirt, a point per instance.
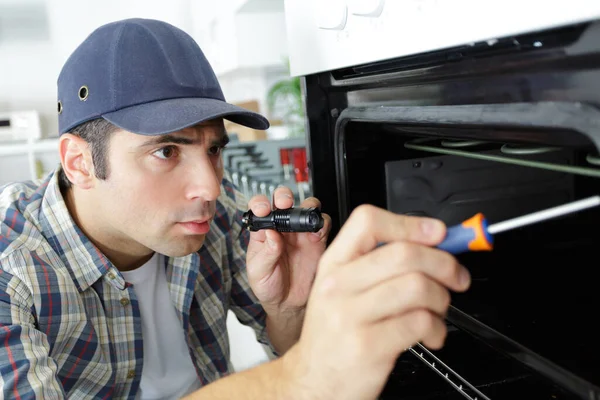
(168, 371)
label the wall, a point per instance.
(27, 62)
(29, 69)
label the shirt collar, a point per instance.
(82, 258)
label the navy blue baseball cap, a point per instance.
(144, 76)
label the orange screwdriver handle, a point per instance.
(471, 235)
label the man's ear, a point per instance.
(76, 161)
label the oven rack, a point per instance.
(454, 148)
(466, 389)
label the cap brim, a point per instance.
(166, 116)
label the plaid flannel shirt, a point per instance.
(70, 325)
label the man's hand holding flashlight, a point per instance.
(281, 266)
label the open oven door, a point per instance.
(525, 328)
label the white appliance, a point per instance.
(382, 77)
(332, 34)
(24, 153)
(20, 126)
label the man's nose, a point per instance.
(204, 181)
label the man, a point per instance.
(117, 270)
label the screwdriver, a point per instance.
(475, 234)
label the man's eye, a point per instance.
(215, 150)
(165, 152)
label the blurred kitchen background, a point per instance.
(246, 43)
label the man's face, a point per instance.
(161, 190)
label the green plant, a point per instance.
(284, 100)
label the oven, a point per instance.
(500, 117)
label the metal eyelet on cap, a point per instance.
(60, 107)
(83, 93)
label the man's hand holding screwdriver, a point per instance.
(368, 304)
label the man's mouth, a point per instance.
(196, 227)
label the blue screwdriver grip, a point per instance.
(457, 239)
(471, 235)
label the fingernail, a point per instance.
(262, 205)
(271, 243)
(284, 195)
(464, 277)
(431, 227)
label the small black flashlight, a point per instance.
(287, 220)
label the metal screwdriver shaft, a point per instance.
(544, 215)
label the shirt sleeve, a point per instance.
(244, 303)
(26, 369)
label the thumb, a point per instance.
(264, 250)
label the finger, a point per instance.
(283, 198)
(257, 236)
(401, 295)
(260, 205)
(323, 233)
(369, 225)
(311, 202)
(395, 335)
(263, 253)
(396, 259)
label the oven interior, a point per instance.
(525, 329)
